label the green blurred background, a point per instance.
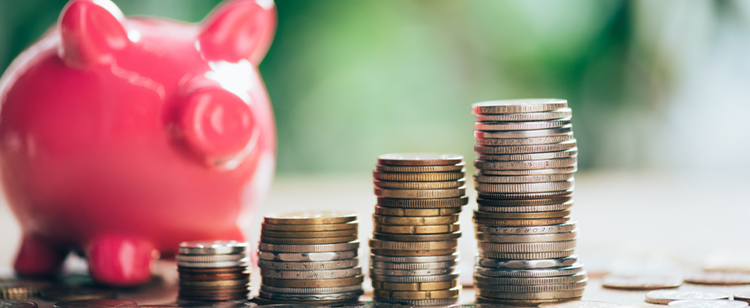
(653, 84)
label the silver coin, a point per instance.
(582, 304)
(526, 196)
(309, 248)
(526, 209)
(515, 179)
(325, 274)
(525, 116)
(528, 202)
(525, 295)
(518, 106)
(413, 266)
(532, 288)
(536, 238)
(376, 258)
(242, 262)
(525, 187)
(513, 126)
(524, 141)
(419, 302)
(566, 227)
(538, 272)
(426, 272)
(308, 266)
(213, 247)
(307, 256)
(708, 303)
(529, 280)
(527, 247)
(564, 170)
(526, 256)
(526, 164)
(524, 134)
(665, 296)
(210, 258)
(413, 279)
(529, 156)
(9, 303)
(271, 289)
(527, 264)
(310, 297)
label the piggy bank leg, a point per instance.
(120, 260)
(38, 257)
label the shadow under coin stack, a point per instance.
(416, 228)
(309, 258)
(213, 271)
(524, 180)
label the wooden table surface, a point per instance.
(626, 219)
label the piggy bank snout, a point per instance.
(216, 124)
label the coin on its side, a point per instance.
(420, 193)
(525, 116)
(567, 227)
(440, 302)
(394, 211)
(512, 126)
(313, 283)
(665, 296)
(419, 159)
(410, 169)
(307, 256)
(625, 282)
(524, 141)
(526, 256)
(526, 196)
(563, 130)
(526, 164)
(532, 215)
(429, 229)
(526, 209)
(308, 248)
(525, 187)
(529, 273)
(717, 277)
(529, 156)
(518, 106)
(412, 253)
(312, 275)
(522, 302)
(537, 295)
(416, 295)
(519, 281)
(509, 172)
(307, 241)
(420, 185)
(417, 176)
(312, 234)
(414, 221)
(310, 218)
(511, 179)
(391, 245)
(415, 279)
(555, 237)
(212, 247)
(527, 247)
(424, 203)
(416, 237)
(520, 222)
(352, 225)
(308, 266)
(415, 286)
(530, 202)
(527, 264)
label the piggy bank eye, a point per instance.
(216, 124)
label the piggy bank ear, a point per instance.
(241, 29)
(91, 31)
(215, 123)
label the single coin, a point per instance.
(308, 266)
(524, 141)
(214, 283)
(526, 256)
(306, 241)
(513, 126)
(310, 228)
(524, 295)
(518, 106)
(412, 253)
(394, 211)
(529, 273)
(562, 130)
(311, 297)
(527, 247)
(525, 281)
(451, 257)
(9, 303)
(527, 264)
(420, 185)
(417, 302)
(414, 221)
(526, 164)
(523, 149)
(626, 282)
(75, 293)
(567, 227)
(417, 176)
(308, 248)
(718, 303)
(427, 272)
(391, 245)
(424, 203)
(420, 193)
(310, 218)
(313, 283)
(581, 304)
(507, 172)
(515, 179)
(717, 277)
(413, 266)
(271, 289)
(525, 116)
(241, 262)
(529, 156)
(663, 297)
(555, 237)
(429, 229)
(213, 247)
(410, 169)
(745, 297)
(318, 274)
(522, 302)
(419, 159)
(532, 288)
(529, 202)
(210, 258)
(526, 209)
(214, 277)
(415, 279)
(527, 196)
(525, 187)
(95, 303)
(415, 286)
(313, 234)
(520, 222)
(491, 215)
(416, 295)
(416, 237)
(307, 256)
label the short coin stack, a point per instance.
(213, 271)
(416, 228)
(524, 179)
(309, 258)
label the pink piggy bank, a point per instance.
(120, 138)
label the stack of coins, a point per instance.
(309, 258)
(527, 157)
(213, 271)
(416, 228)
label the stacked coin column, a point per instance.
(213, 271)
(309, 258)
(416, 228)
(524, 180)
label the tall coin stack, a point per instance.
(527, 157)
(213, 271)
(309, 258)
(416, 228)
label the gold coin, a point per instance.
(310, 218)
(448, 168)
(313, 283)
(391, 245)
(417, 176)
(414, 221)
(520, 222)
(532, 215)
(394, 211)
(311, 234)
(419, 159)
(352, 225)
(415, 286)
(411, 295)
(412, 253)
(420, 185)
(420, 193)
(416, 237)
(424, 203)
(306, 241)
(430, 229)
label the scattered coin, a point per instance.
(616, 281)
(666, 296)
(9, 303)
(717, 277)
(745, 297)
(708, 304)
